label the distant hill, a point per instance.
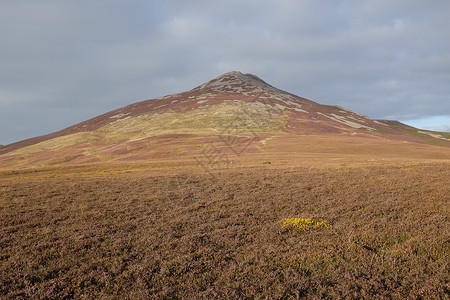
(233, 104)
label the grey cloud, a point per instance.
(77, 59)
(443, 128)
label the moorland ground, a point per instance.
(187, 196)
(171, 231)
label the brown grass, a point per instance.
(83, 232)
(293, 148)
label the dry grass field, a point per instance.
(232, 190)
(175, 231)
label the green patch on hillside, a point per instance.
(264, 143)
(59, 143)
(384, 130)
(226, 118)
(229, 118)
(432, 137)
(63, 160)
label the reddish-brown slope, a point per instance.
(302, 116)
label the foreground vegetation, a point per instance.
(141, 234)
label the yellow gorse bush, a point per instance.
(304, 224)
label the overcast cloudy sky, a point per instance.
(62, 62)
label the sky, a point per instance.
(63, 62)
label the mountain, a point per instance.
(234, 105)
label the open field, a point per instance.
(170, 229)
(232, 190)
(246, 150)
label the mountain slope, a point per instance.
(233, 104)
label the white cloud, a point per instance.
(442, 128)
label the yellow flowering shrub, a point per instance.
(303, 224)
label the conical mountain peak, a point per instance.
(236, 82)
(232, 100)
